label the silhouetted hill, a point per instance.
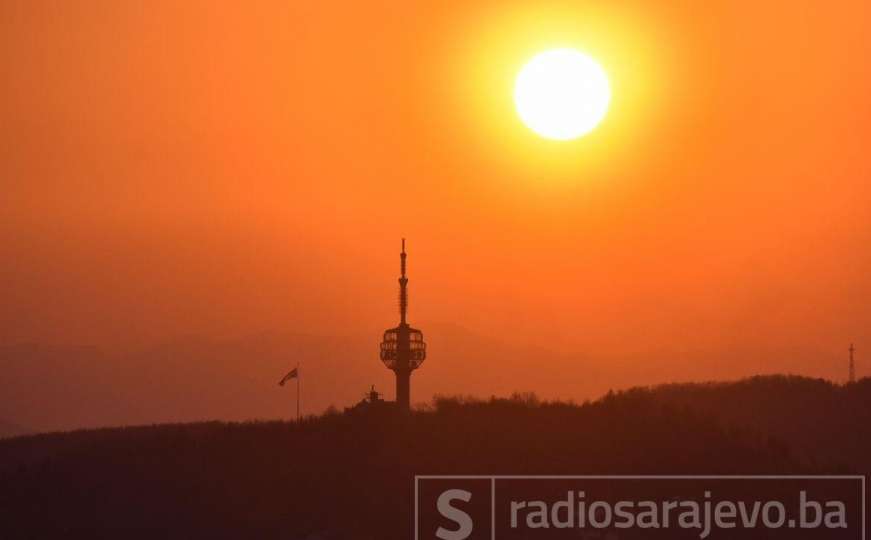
(820, 421)
(351, 476)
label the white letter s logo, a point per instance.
(462, 519)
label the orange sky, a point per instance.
(222, 169)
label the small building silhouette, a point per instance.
(371, 402)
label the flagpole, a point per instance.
(297, 392)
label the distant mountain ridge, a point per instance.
(9, 429)
(192, 379)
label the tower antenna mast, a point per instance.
(403, 286)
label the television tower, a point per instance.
(852, 364)
(403, 349)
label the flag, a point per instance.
(294, 373)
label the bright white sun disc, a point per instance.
(562, 94)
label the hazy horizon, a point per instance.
(194, 378)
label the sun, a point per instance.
(562, 94)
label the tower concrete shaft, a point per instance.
(403, 389)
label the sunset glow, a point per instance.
(177, 178)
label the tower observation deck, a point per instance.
(403, 349)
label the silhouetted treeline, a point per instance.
(350, 476)
(822, 422)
